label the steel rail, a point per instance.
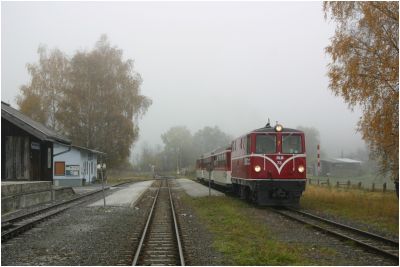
(25, 227)
(340, 235)
(45, 209)
(347, 227)
(7, 224)
(139, 249)
(181, 258)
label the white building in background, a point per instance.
(74, 165)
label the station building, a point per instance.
(340, 167)
(31, 151)
(74, 165)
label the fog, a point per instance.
(230, 64)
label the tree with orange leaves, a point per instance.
(365, 72)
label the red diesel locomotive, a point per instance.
(266, 166)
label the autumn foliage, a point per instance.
(365, 72)
(93, 98)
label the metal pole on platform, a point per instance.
(209, 183)
(102, 181)
(102, 187)
(209, 175)
(319, 163)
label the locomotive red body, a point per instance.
(267, 166)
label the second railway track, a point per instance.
(15, 226)
(160, 242)
(374, 243)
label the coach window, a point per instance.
(291, 144)
(265, 144)
(248, 144)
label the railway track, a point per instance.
(15, 226)
(160, 242)
(371, 242)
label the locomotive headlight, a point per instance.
(301, 168)
(257, 168)
(278, 128)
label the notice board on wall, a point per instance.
(72, 170)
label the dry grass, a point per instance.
(376, 208)
(240, 237)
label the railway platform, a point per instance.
(21, 194)
(127, 196)
(194, 189)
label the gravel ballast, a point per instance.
(197, 240)
(87, 235)
(81, 236)
(321, 249)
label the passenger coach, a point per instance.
(215, 166)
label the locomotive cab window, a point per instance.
(291, 144)
(265, 144)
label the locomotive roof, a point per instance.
(272, 130)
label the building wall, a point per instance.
(89, 166)
(339, 169)
(23, 156)
(79, 166)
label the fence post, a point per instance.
(373, 187)
(348, 183)
(337, 184)
(309, 181)
(318, 181)
(328, 182)
(384, 187)
(359, 185)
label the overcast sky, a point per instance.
(230, 64)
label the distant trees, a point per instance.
(93, 98)
(150, 156)
(208, 139)
(365, 72)
(181, 148)
(178, 147)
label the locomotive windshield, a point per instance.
(265, 143)
(291, 144)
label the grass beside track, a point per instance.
(242, 238)
(378, 209)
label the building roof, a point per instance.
(91, 150)
(33, 127)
